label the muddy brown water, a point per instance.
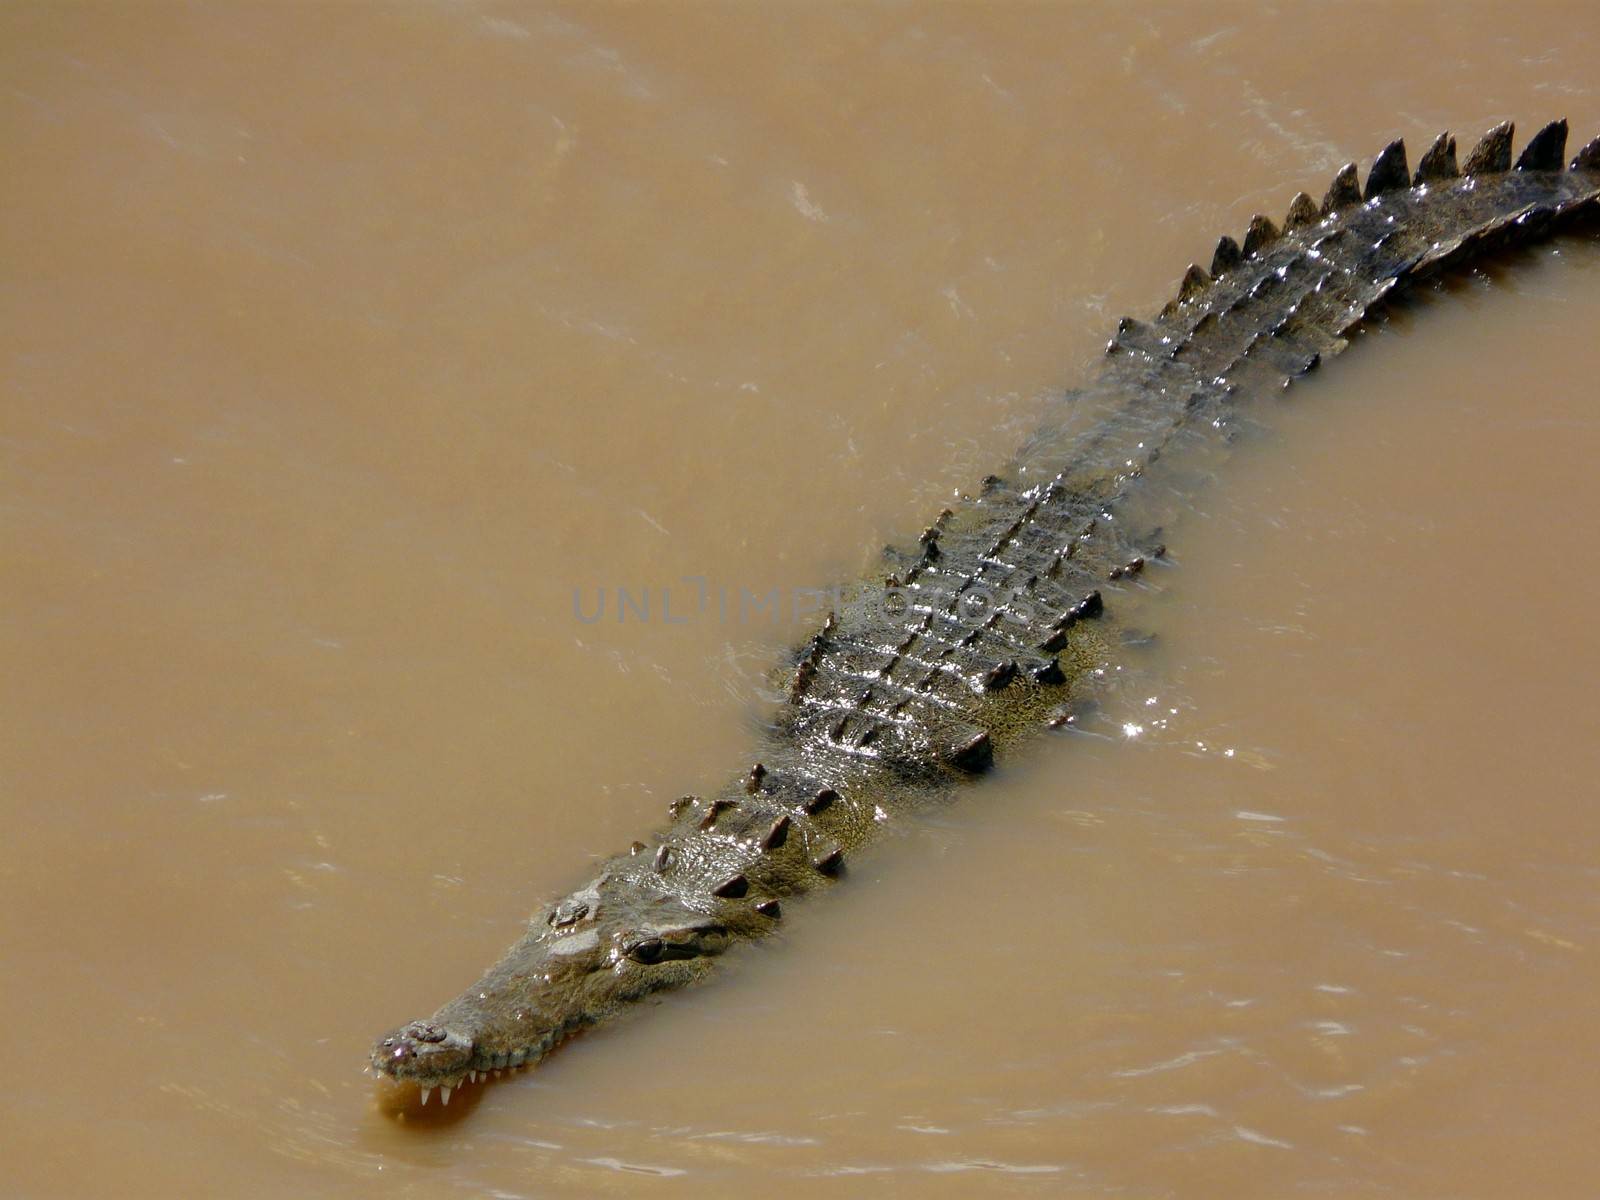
(340, 345)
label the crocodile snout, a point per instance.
(423, 1053)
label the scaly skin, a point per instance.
(987, 630)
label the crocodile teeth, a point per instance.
(426, 1092)
(444, 1094)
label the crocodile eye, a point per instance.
(646, 950)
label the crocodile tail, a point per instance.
(1279, 301)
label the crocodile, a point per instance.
(994, 624)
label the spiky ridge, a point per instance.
(1475, 209)
(891, 704)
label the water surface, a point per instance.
(340, 344)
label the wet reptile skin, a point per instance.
(985, 631)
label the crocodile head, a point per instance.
(580, 961)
